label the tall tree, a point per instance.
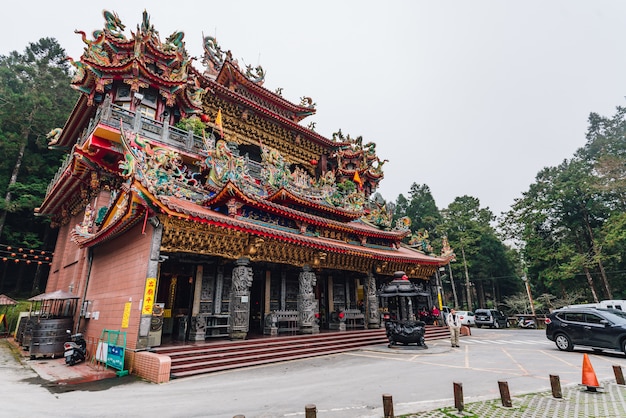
(35, 97)
(569, 219)
(420, 207)
(486, 264)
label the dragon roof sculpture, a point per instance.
(141, 61)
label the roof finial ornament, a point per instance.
(307, 101)
(258, 76)
(213, 55)
(113, 25)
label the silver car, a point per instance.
(466, 317)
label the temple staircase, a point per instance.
(212, 356)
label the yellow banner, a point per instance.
(149, 296)
(126, 315)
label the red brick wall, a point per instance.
(150, 366)
(68, 264)
(118, 276)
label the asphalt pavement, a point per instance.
(349, 385)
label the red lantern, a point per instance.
(204, 118)
(341, 315)
(313, 162)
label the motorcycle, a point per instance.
(75, 349)
(526, 323)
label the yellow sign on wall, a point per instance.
(149, 296)
(126, 315)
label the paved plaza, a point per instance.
(348, 385)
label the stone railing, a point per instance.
(281, 321)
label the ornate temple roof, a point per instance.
(155, 169)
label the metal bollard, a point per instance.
(459, 404)
(555, 383)
(388, 406)
(310, 411)
(619, 376)
(504, 394)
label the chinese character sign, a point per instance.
(149, 296)
(126, 315)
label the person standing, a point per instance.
(435, 314)
(454, 324)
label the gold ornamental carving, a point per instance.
(191, 237)
(198, 238)
(245, 127)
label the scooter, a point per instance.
(75, 349)
(526, 323)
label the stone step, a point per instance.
(212, 356)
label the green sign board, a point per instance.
(115, 343)
(115, 357)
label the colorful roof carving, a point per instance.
(320, 202)
(141, 61)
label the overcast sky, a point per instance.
(469, 97)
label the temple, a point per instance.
(194, 203)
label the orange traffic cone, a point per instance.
(589, 375)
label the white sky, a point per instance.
(469, 97)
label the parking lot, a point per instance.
(344, 385)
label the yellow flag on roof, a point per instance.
(218, 122)
(357, 179)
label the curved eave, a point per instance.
(195, 213)
(133, 213)
(67, 184)
(74, 174)
(286, 196)
(127, 67)
(313, 136)
(232, 191)
(108, 69)
(120, 43)
(79, 117)
(154, 49)
(230, 72)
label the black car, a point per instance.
(591, 327)
(491, 318)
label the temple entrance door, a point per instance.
(321, 294)
(257, 299)
(176, 287)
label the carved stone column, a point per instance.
(373, 316)
(240, 299)
(219, 289)
(307, 305)
(197, 331)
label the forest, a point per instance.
(565, 236)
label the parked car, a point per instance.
(491, 318)
(597, 328)
(466, 317)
